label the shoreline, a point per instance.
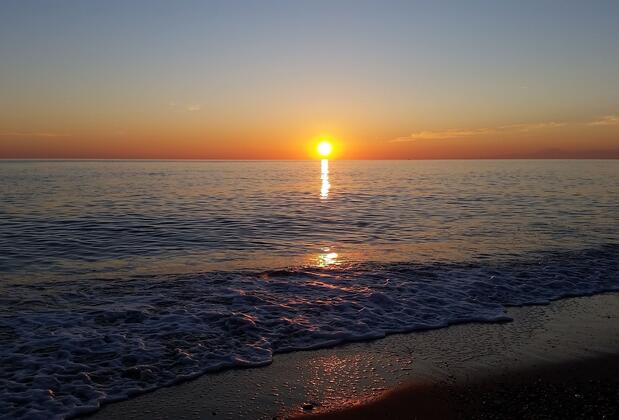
(565, 331)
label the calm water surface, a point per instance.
(61, 218)
(122, 276)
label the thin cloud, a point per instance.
(441, 134)
(606, 120)
(32, 134)
(530, 127)
(185, 107)
(453, 133)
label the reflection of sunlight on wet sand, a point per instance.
(324, 176)
(334, 379)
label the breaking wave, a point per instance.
(66, 347)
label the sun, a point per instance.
(324, 148)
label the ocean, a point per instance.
(119, 277)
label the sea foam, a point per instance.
(67, 347)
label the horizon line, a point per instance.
(299, 160)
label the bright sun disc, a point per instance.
(324, 148)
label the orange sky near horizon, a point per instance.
(214, 80)
(559, 140)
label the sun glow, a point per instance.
(324, 148)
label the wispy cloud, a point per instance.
(523, 128)
(606, 120)
(185, 107)
(32, 134)
(454, 133)
(441, 134)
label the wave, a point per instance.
(66, 347)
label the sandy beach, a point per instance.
(548, 353)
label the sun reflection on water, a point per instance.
(327, 258)
(324, 176)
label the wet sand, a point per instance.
(460, 366)
(583, 389)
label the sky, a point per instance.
(265, 79)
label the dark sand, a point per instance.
(555, 359)
(584, 389)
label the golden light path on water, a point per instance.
(324, 177)
(327, 257)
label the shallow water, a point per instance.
(118, 277)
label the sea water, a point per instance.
(118, 277)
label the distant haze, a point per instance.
(262, 79)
